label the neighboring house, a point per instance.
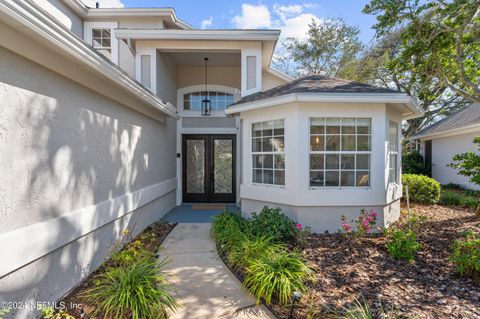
(446, 138)
(101, 128)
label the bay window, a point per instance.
(268, 152)
(340, 152)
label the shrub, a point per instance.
(228, 229)
(466, 255)
(364, 224)
(138, 291)
(402, 243)
(249, 248)
(361, 310)
(412, 163)
(277, 274)
(422, 189)
(50, 313)
(272, 223)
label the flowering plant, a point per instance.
(302, 234)
(364, 224)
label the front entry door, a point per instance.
(208, 168)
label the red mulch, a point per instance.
(151, 238)
(429, 287)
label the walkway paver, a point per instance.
(206, 288)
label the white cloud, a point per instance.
(297, 26)
(253, 17)
(287, 11)
(207, 23)
(104, 3)
(292, 19)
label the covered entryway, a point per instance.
(208, 168)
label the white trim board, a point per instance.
(452, 132)
(151, 34)
(29, 243)
(397, 98)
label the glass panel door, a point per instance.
(208, 168)
(223, 166)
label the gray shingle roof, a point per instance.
(315, 84)
(467, 116)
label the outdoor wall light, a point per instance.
(206, 103)
(296, 298)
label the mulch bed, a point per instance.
(151, 238)
(429, 287)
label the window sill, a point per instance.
(340, 188)
(270, 185)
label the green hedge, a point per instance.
(422, 189)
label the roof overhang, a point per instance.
(29, 18)
(411, 109)
(457, 131)
(137, 12)
(196, 34)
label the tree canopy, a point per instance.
(330, 46)
(440, 40)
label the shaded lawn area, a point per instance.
(429, 287)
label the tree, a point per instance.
(468, 163)
(330, 47)
(440, 40)
(379, 65)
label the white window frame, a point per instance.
(87, 35)
(273, 153)
(394, 153)
(201, 87)
(340, 152)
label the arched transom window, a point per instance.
(220, 100)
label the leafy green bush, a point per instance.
(412, 163)
(228, 229)
(50, 313)
(422, 189)
(277, 273)
(247, 249)
(138, 291)
(455, 198)
(402, 243)
(466, 255)
(272, 223)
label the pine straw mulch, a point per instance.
(151, 238)
(430, 287)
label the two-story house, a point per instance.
(110, 118)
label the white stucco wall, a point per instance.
(72, 161)
(269, 81)
(166, 78)
(63, 14)
(297, 196)
(443, 150)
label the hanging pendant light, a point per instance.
(206, 103)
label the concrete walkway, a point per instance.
(206, 288)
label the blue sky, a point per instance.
(291, 16)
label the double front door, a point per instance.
(208, 168)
